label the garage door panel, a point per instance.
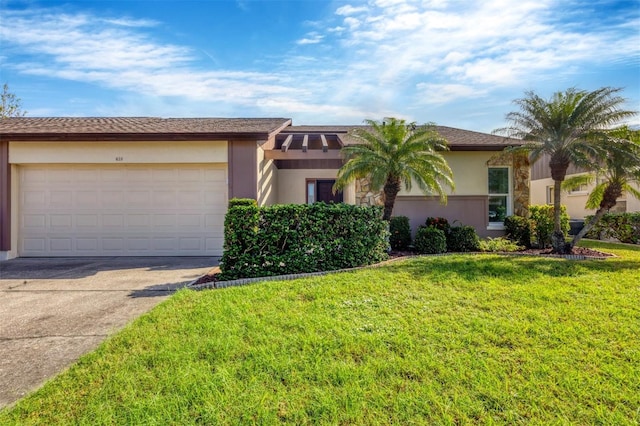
(136, 210)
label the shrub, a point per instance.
(236, 202)
(499, 245)
(430, 240)
(542, 223)
(463, 238)
(625, 227)
(518, 230)
(400, 231)
(440, 223)
(296, 238)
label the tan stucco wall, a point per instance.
(575, 202)
(633, 204)
(267, 180)
(469, 173)
(291, 185)
(117, 152)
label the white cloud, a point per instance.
(434, 93)
(134, 23)
(350, 10)
(311, 38)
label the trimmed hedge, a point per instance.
(541, 217)
(400, 230)
(297, 238)
(625, 227)
(430, 240)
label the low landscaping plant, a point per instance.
(541, 217)
(463, 238)
(518, 230)
(430, 240)
(625, 227)
(296, 238)
(499, 244)
(440, 223)
(400, 233)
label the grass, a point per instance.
(461, 339)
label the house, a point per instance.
(575, 200)
(160, 187)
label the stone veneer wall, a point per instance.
(365, 196)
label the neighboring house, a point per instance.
(575, 201)
(160, 187)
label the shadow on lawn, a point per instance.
(472, 267)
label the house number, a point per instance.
(119, 158)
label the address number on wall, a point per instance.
(119, 158)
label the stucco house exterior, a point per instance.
(127, 186)
(542, 192)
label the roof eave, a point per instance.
(142, 137)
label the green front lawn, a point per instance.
(458, 339)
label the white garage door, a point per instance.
(122, 210)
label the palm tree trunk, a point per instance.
(557, 238)
(391, 189)
(588, 226)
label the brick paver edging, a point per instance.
(245, 281)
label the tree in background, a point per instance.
(393, 153)
(10, 104)
(614, 174)
(567, 127)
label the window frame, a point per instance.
(508, 195)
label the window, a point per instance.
(550, 195)
(322, 190)
(499, 195)
(580, 190)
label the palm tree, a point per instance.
(393, 152)
(566, 128)
(616, 173)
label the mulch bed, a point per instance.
(576, 251)
(214, 273)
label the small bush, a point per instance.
(430, 240)
(625, 227)
(542, 223)
(440, 223)
(462, 239)
(499, 244)
(518, 230)
(400, 230)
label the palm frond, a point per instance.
(574, 182)
(596, 196)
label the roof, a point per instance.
(155, 128)
(83, 128)
(458, 139)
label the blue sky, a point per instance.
(456, 63)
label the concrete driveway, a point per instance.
(52, 311)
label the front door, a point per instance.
(324, 191)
